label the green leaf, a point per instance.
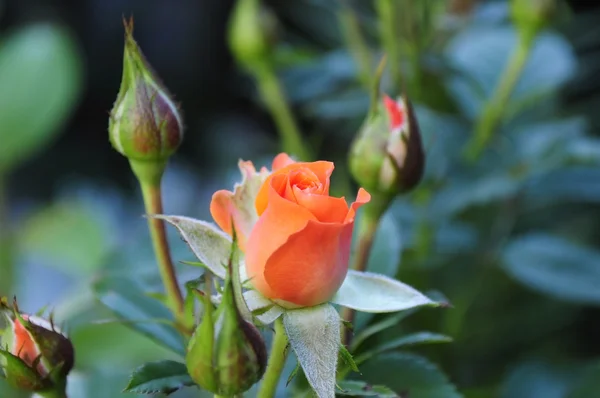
(361, 389)
(159, 377)
(572, 184)
(408, 340)
(142, 313)
(409, 374)
(40, 76)
(481, 53)
(211, 245)
(537, 378)
(554, 266)
(461, 195)
(588, 384)
(69, 235)
(314, 335)
(584, 149)
(104, 382)
(541, 146)
(377, 327)
(444, 139)
(364, 291)
(128, 349)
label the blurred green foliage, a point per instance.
(510, 239)
(40, 72)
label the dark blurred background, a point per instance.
(73, 205)
(185, 41)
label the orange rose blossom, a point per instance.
(297, 252)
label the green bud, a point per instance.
(387, 156)
(145, 124)
(251, 32)
(34, 354)
(226, 354)
(531, 16)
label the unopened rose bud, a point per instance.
(531, 16)
(227, 354)
(387, 156)
(251, 32)
(145, 123)
(34, 354)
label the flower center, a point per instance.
(305, 180)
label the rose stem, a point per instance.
(273, 96)
(367, 227)
(494, 109)
(387, 13)
(356, 43)
(276, 362)
(151, 193)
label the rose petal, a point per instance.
(305, 179)
(311, 265)
(362, 197)
(223, 211)
(281, 219)
(321, 169)
(25, 347)
(278, 183)
(238, 206)
(325, 208)
(395, 112)
(282, 160)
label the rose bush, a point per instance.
(297, 242)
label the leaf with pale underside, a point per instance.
(126, 299)
(263, 309)
(314, 335)
(368, 292)
(211, 245)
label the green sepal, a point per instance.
(348, 358)
(199, 358)
(227, 354)
(20, 375)
(293, 374)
